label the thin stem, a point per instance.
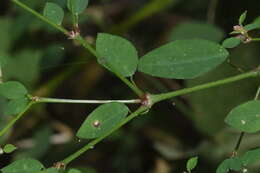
(1, 76)
(257, 93)
(86, 45)
(134, 88)
(164, 96)
(56, 100)
(13, 121)
(35, 13)
(75, 19)
(238, 143)
(95, 141)
(255, 39)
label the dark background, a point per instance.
(51, 65)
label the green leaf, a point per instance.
(23, 166)
(196, 30)
(16, 106)
(74, 171)
(245, 117)
(183, 59)
(102, 120)
(77, 6)
(252, 26)
(9, 148)
(242, 18)
(231, 42)
(251, 157)
(191, 164)
(53, 12)
(234, 164)
(117, 54)
(12, 90)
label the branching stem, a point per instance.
(81, 40)
(56, 100)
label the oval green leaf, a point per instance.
(191, 164)
(9, 148)
(245, 117)
(117, 54)
(183, 59)
(16, 106)
(53, 12)
(12, 90)
(242, 18)
(231, 42)
(77, 6)
(102, 120)
(23, 166)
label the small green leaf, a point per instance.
(117, 54)
(183, 59)
(245, 117)
(16, 106)
(74, 171)
(242, 18)
(251, 157)
(231, 42)
(9, 148)
(252, 26)
(234, 164)
(191, 164)
(12, 90)
(77, 6)
(53, 12)
(23, 166)
(102, 119)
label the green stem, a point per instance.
(35, 13)
(164, 96)
(131, 85)
(86, 45)
(255, 39)
(13, 121)
(257, 93)
(55, 100)
(95, 141)
(75, 19)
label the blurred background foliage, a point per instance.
(50, 65)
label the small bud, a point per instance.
(238, 28)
